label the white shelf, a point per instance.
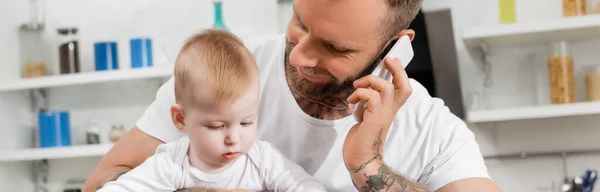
(55, 153)
(570, 28)
(84, 78)
(534, 112)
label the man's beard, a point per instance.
(319, 92)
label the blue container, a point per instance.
(218, 23)
(105, 54)
(141, 52)
(54, 128)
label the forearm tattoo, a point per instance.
(113, 179)
(386, 179)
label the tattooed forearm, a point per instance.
(384, 179)
(387, 180)
(114, 178)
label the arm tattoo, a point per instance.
(376, 145)
(118, 175)
(113, 179)
(386, 179)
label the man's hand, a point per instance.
(363, 146)
(364, 142)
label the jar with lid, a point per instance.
(92, 132)
(561, 75)
(574, 8)
(68, 51)
(592, 81)
(31, 42)
(31, 48)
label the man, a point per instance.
(407, 140)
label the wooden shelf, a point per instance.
(55, 153)
(84, 78)
(530, 32)
(534, 112)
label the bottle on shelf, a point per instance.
(68, 51)
(31, 42)
(218, 23)
(574, 8)
(592, 81)
(116, 133)
(594, 7)
(92, 132)
(560, 69)
(507, 11)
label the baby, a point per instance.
(217, 93)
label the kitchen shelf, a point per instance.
(531, 32)
(84, 78)
(55, 153)
(534, 112)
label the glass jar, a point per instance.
(68, 51)
(560, 69)
(31, 42)
(574, 7)
(592, 81)
(594, 7)
(31, 48)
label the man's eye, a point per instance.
(338, 50)
(215, 127)
(246, 124)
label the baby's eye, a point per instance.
(245, 124)
(215, 127)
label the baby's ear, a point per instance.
(177, 117)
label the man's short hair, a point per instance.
(400, 15)
(218, 59)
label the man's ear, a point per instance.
(409, 32)
(177, 116)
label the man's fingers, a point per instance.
(368, 96)
(402, 88)
(385, 88)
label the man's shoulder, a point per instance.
(425, 112)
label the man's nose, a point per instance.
(304, 54)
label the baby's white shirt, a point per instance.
(263, 168)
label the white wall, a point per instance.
(519, 76)
(169, 22)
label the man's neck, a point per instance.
(329, 108)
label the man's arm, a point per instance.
(378, 177)
(471, 184)
(131, 150)
(374, 176)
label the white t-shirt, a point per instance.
(263, 168)
(426, 142)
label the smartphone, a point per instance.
(401, 49)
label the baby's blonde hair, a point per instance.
(217, 60)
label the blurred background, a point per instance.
(76, 74)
